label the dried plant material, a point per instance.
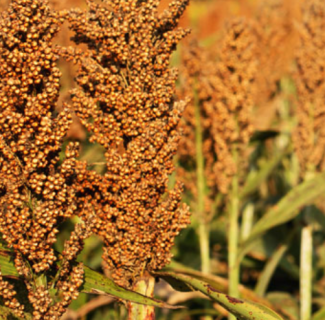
(125, 99)
(309, 137)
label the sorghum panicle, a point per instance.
(309, 137)
(194, 59)
(277, 39)
(125, 99)
(36, 192)
(34, 195)
(226, 89)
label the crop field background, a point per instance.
(251, 159)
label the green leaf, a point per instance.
(219, 283)
(286, 209)
(319, 217)
(6, 313)
(94, 283)
(319, 315)
(7, 269)
(242, 309)
(288, 303)
(270, 267)
(97, 283)
(178, 285)
(7, 266)
(255, 179)
(262, 135)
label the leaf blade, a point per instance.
(98, 283)
(255, 180)
(94, 283)
(286, 209)
(242, 309)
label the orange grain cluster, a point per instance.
(8, 294)
(194, 57)
(224, 79)
(309, 137)
(125, 99)
(277, 39)
(36, 193)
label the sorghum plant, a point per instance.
(125, 99)
(227, 97)
(277, 39)
(224, 89)
(36, 192)
(309, 136)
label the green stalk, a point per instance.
(204, 231)
(306, 268)
(203, 226)
(144, 286)
(247, 221)
(204, 247)
(233, 237)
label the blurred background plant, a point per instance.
(251, 160)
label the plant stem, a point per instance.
(204, 232)
(247, 221)
(306, 267)
(145, 286)
(233, 237)
(203, 226)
